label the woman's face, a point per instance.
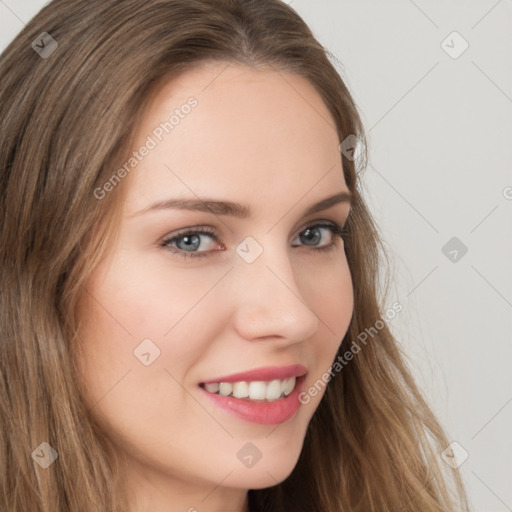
(163, 316)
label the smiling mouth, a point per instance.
(254, 391)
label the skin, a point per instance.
(264, 139)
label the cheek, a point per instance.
(135, 313)
(157, 296)
(331, 297)
(138, 403)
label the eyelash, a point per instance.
(336, 230)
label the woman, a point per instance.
(190, 318)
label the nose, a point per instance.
(269, 303)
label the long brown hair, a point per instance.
(69, 110)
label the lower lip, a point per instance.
(265, 413)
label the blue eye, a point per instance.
(187, 242)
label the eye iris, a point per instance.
(188, 241)
(308, 237)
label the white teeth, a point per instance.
(273, 391)
(255, 390)
(240, 390)
(225, 388)
(288, 386)
(212, 388)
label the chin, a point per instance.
(265, 474)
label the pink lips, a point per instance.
(265, 413)
(267, 373)
(261, 411)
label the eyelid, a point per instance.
(214, 232)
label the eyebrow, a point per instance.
(235, 209)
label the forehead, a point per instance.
(249, 131)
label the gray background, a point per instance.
(440, 143)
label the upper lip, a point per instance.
(266, 373)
